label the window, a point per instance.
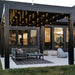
(33, 37)
(23, 37)
(12, 37)
(58, 37)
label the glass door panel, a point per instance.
(33, 37)
(67, 37)
(23, 37)
(47, 44)
(12, 37)
(74, 36)
(58, 37)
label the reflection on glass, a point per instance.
(47, 38)
(74, 36)
(12, 37)
(23, 37)
(58, 37)
(67, 38)
(33, 37)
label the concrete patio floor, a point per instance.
(56, 62)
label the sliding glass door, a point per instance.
(58, 37)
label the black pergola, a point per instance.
(44, 15)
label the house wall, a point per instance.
(43, 36)
(1, 8)
(52, 36)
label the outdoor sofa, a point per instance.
(26, 53)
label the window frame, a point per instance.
(25, 28)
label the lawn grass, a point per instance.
(57, 70)
(0, 65)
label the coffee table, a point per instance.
(35, 54)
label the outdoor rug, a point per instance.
(31, 61)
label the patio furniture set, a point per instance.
(26, 53)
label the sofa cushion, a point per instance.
(26, 50)
(21, 55)
(34, 50)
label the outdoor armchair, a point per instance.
(61, 53)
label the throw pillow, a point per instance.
(19, 50)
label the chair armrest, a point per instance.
(38, 50)
(14, 52)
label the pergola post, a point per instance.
(6, 37)
(70, 47)
(2, 42)
(41, 43)
(0, 37)
(2, 32)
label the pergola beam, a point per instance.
(35, 19)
